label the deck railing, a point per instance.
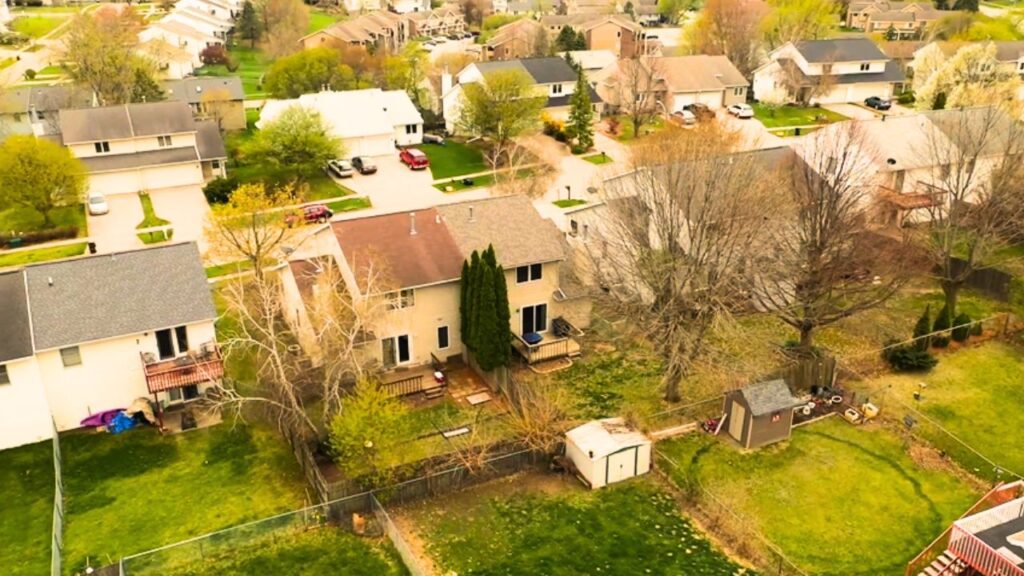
(979, 555)
(409, 385)
(544, 350)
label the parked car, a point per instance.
(878, 103)
(433, 139)
(414, 158)
(98, 204)
(312, 214)
(364, 165)
(741, 111)
(701, 111)
(683, 118)
(340, 168)
(438, 39)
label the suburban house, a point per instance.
(589, 7)
(517, 7)
(902, 53)
(443, 21)
(181, 36)
(90, 334)
(34, 110)
(131, 148)
(1009, 56)
(591, 61)
(170, 60)
(371, 122)
(421, 254)
(614, 32)
(220, 99)
(385, 30)
(551, 77)
(675, 81)
(205, 23)
(906, 20)
(516, 39)
(222, 10)
(828, 71)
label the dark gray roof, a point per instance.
(556, 101)
(208, 140)
(112, 295)
(15, 329)
(519, 233)
(767, 397)
(159, 157)
(892, 73)
(44, 98)
(191, 90)
(549, 70)
(125, 121)
(839, 50)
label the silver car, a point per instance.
(97, 205)
(340, 168)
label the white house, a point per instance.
(850, 69)
(91, 334)
(608, 451)
(180, 35)
(225, 11)
(201, 21)
(143, 147)
(370, 122)
(171, 61)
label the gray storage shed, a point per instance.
(760, 414)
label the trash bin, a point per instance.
(92, 247)
(15, 243)
(796, 131)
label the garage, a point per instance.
(608, 451)
(156, 178)
(371, 145)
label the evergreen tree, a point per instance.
(145, 88)
(249, 24)
(464, 303)
(923, 327)
(581, 114)
(943, 322)
(486, 334)
(504, 338)
(566, 40)
(581, 41)
(473, 300)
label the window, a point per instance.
(395, 350)
(865, 66)
(412, 129)
(40, 115)
(164, 344)
(574, 227)
(556, 88)
(534, 318)
(401, 299)
(181, 335)
(5, 378)
(442, 337)
(102, 147)
(738, 91)
(70, 356)
(216, 164)
(529, 273)
(163, 141)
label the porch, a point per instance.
(406, 380)
(197, 367)
(561, 343)
(992, 542)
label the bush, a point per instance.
(906, 98)
(30, 74)
(12, 38)
(961, 328)
(977, 329)
(943, 323)
(924, 325)
(231, 63)
(218, 190)
(216, 54)
(907, 358)
(577, 149)
(27, 238)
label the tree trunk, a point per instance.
(806, 337)
(951, 290)
(673, 377)
(636, 126)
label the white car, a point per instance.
(97, 205)
(741, 111)
(684, 118)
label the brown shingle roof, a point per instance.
(510, 223)
(697, 73)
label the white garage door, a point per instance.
(712, 99)
(680, 99)
(133, 181)
(622, 465)
(369, 146)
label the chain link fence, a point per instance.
(57, 534)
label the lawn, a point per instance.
(156, 236)
(51, 71)
(794, 116)
(318, 20)
(228, 268)
(252, 64)
(559, 529)
(787, 132)
(823, 496)
(149, 217)
(140, 490)
(625, 131)
(349, 204)
(569, 203)
(458, 185)
(36, 26)
(313, 553)
(599, 159)
(976, 394)
(7, 62)
(25, 219)
(454, 159)
(26, 480)
(23, 257)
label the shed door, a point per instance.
(621, 465)
(736, 421)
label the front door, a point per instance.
(621, 465)
(534, 318)
(736, 421)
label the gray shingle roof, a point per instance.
(767, 397)
(191, 90)
(518, 232)
(558, 101)
(117, 294)
(125, 121)
(543, 70)
(892, 73)
(15, 329)
(208, 140)
(839, 50)
(160, 157)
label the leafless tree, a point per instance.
(675, 237)
(732, 28)
(216, 105)
(826, 264)
(638, 92)
(539, 417)
(800, 87)
(976, 177)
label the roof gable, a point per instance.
(15, 330)
(767, 397)
(839, 50)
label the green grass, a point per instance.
(794, 116)
(25, 219)
(23, 257)
(252, 64)
(458, 185)
(629, 528)
(36, 26)
(318, 20)
(787, 132)
(140, 490)
(35, 10)
(975, 393)
(569, 203)
(831, 497)
(312, 553)
(350, 204)
(625, 132)
(149, 217)
(26, 479)
(599, 159)
(7, 62)
(454, 159)
(228, 268)
(156, 236)
(50, 71)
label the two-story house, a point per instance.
(421, 254)
(384, 30)
(552, 78)
(180, 35)
(221, 99)
(201, 21)
(905, 19)
(673, 81)
(614, 32)
(143, 147)
(224, 10)
(444, 21)
(828, 71)
(91, 334)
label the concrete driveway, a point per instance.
(754, 135)
(186, 209)
(115, 231)
(852, 111)
(395, 188)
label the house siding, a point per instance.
(24, 410)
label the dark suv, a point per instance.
(701, 111)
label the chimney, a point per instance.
(446, 82)
(471, 218)
(412, 223)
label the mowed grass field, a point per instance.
(26, 481)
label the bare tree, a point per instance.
(826, 264)
(800, 87)
(975, 179)
(251, 226)
(732, 28)
(675, 237)
(637, 91)
(217, 105)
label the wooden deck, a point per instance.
(547, 349)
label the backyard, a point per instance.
(139, 490)
(454, 159)
(26, 480)
(781, 116)
(36, 26)
(552, 526)
(23, 257)
(252, 64)
(822, 496)
(24, 219)
(318, 20)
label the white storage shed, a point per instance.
(608, 451)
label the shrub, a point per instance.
(943, 322)
(218, 190)
(215, 54)
(906, 98)
(61, 233)
(961, 328)
(977, 329)
(30, 74)
(11, 38)
(921, 330)
(907, 358)
(577, 149)
(231, 63)
(613, 126)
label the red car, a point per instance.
(316, 213)
(414, 158)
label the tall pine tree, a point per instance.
(485, 315)
(488, 353)
(581, 114)
(464, 303)
(504, 315)
(249, 24)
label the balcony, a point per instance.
(992, 542)
(559, 344)
(197, 367)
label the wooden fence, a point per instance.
(990, 281)
(808, 372)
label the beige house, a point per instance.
(516, 39)
(421, 254)
(91, 334)
(385, 30)
(675, 82)
(143, 147)
(443, 21)
(616, 33)
(221, 100)
(906, 19)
